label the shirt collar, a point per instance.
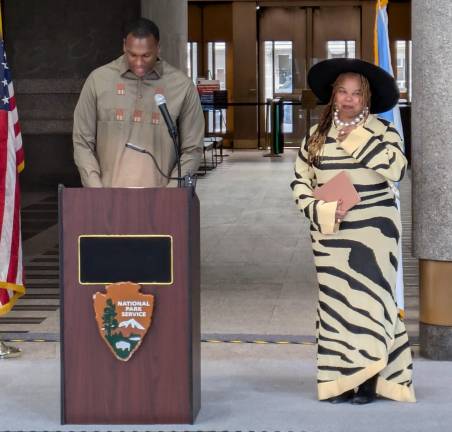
(154, 74)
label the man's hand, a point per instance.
(344, 132)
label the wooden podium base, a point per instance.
(160, 383)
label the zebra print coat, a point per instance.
(359, 332)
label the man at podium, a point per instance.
(117, 114)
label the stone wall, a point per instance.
(52, 46)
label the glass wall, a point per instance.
(341, 49)
(216, 66)
(403, 68)
(192, 60)
(278, 75)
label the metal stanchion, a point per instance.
(273, 127)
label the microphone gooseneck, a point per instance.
(142, 150)
(136, 148)
(160, 101)
(188, 181)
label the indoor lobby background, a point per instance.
(258, 281)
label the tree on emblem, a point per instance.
(109, 317)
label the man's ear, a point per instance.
(124, 45)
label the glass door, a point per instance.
(278, 77)
(216, 66)
(282, 68)
(192, 60)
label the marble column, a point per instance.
(171, 16)
(432, 171)
(50, 57)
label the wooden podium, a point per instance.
(161, 381)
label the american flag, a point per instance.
(11, 163)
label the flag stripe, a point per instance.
(3, 190)
(16, 129)
(12, 99)
(4, 294)
(14, 254)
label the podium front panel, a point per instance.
(160, 383)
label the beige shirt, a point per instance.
(116, 107)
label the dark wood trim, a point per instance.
(309, 42)
(61, 280)
(301, 3)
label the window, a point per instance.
(216, 62)
(403, 71)
(278, 75)
(341, 49)
(192, 60)
(216, 65)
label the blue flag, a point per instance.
(383, 59)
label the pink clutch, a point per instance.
(338, 188)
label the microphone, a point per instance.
(160, 101)
(136, 148)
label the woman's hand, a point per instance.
(340, 214)
(344, 132)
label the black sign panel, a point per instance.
(139, 259)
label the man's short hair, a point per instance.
(142, 28)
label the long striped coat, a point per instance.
(359, 332)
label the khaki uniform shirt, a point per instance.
(116, 107)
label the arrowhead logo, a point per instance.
(123, 317)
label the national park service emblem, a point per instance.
(123, 317)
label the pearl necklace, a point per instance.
(355, 121)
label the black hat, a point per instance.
(385, 93)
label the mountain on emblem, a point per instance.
(123, 317)
(131, 323)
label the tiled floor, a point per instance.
(258, 277)
(258, 285)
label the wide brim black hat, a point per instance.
(385, 93)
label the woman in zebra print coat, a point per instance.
(362, 341)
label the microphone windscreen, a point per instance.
(159, 99)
